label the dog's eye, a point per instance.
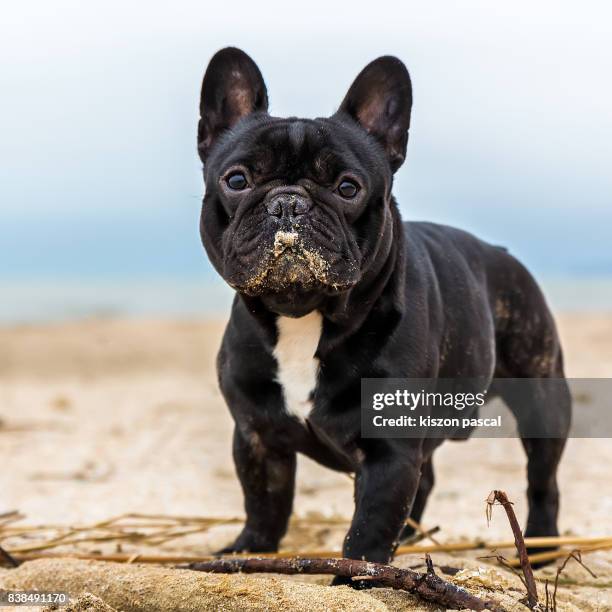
(236, 181)
(348, 189)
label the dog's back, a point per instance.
(479, 284)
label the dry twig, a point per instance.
(551, 555)
(420, 531)
(575, 554)
(428, 586)
(502, 498)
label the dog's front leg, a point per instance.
(385, 487)
(267, 477)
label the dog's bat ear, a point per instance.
(232, 89)
(380, 100)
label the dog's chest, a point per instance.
(297, 365)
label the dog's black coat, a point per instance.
(414, 300)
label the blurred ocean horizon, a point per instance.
(133, 264)
(47, 301)
(62, 267)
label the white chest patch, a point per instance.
(297, 366)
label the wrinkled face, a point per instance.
(291, 204)
(294, 209)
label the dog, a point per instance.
(332, 287)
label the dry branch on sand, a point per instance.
(428, 586)
(136, 588)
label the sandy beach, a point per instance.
(104, 417)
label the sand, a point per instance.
(102, 417)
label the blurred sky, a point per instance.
(99, 179)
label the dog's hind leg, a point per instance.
(529, 349)
(551, 402)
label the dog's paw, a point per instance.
(248, 542)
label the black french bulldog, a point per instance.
(331, 287)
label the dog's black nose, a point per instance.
(288, 204)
